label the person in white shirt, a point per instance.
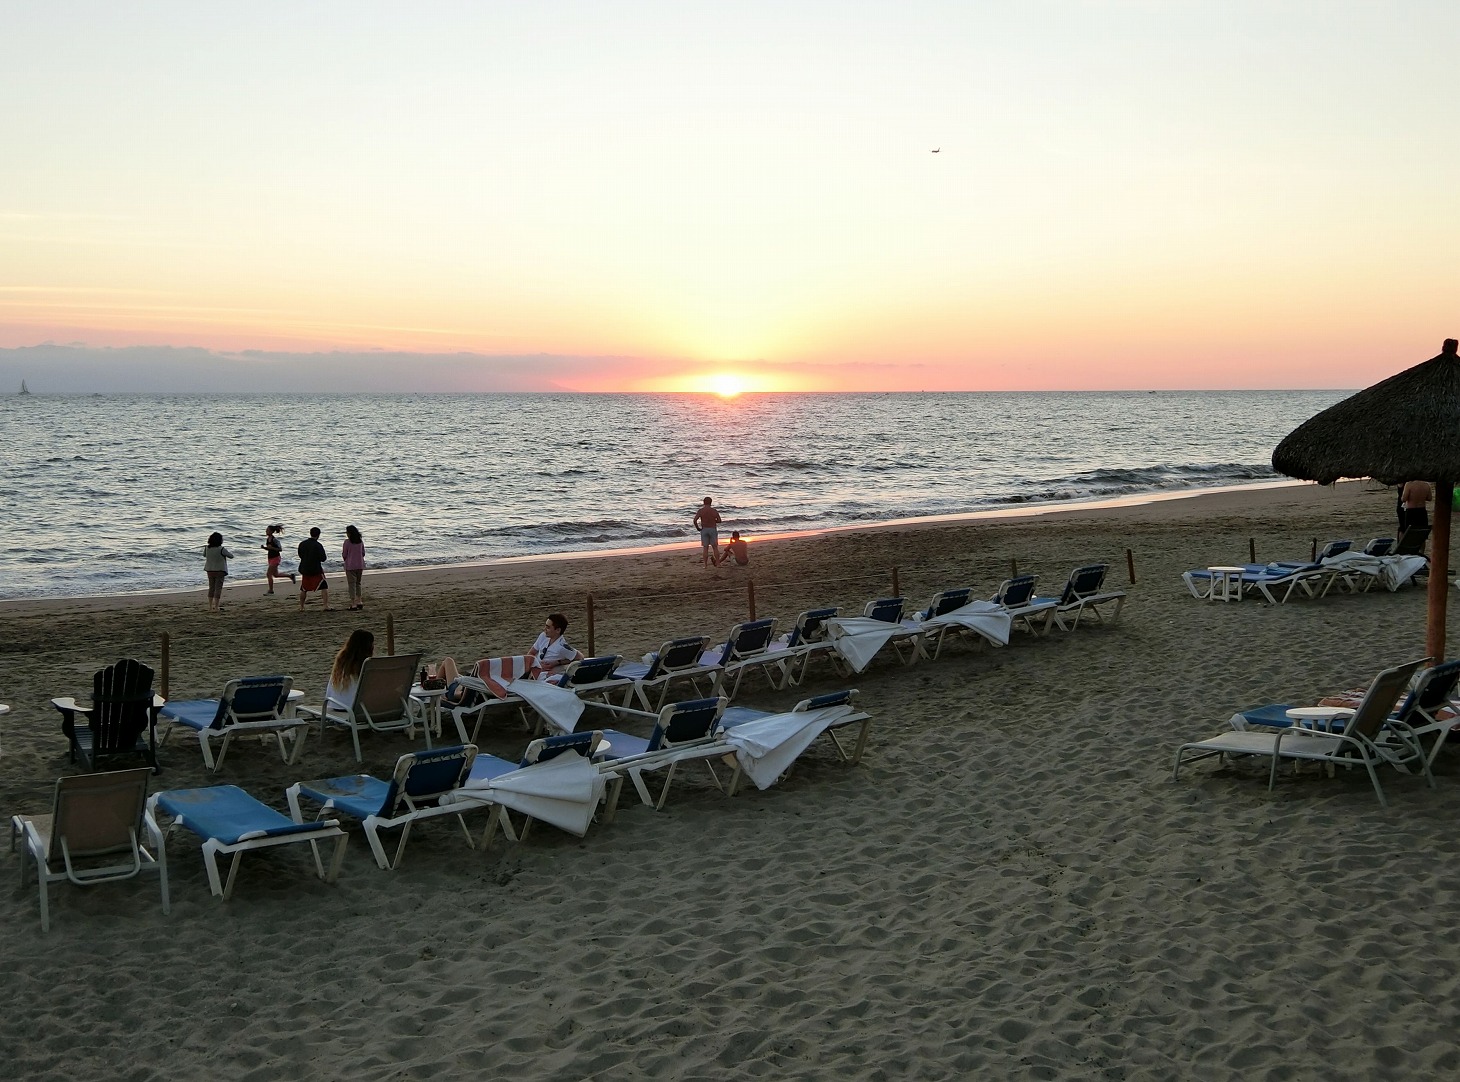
(551, 653)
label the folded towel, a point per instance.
(766, 747)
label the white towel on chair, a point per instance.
(563, 791)
(858, 638)
(559, 707)
(982, 617)
(766, 747)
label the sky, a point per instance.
(912, 195)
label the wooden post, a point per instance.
(591, 629)
(390, 634)
(1252, 550)
(1013, 568)
(750, 592)
(1130, 565)
(166, 663)
(896, 592)
(1314, 557)
(1439, 592)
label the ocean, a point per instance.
(116, 493)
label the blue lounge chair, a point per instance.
(748, 646)
(1359, 743)
(231, 822)
(1085, 592)
(415, 791)
(554, 781)
(1016, 595)
(250, 706)
(806, 640)
(928, 643)
(836, 712)
(677, 659)
(596, 679)
(684, 732)
(98, 831)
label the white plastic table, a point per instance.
(1319, 719)
(1226, 583)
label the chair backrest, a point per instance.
(945, 602)
(385, 686)
(1383, 693)
(1333, 548)
(810, 626)
(686, 722)
(1432, 690)
(1379, 546)
(1015, 593)
(1083, 582)
(96, 814)
(590, 670)
(121, 697)
(886, 609)
(1412, 541)
(253, 698)
(830, 698)
(547, 748)
(748, 639)
(423, 777)
(677, 654)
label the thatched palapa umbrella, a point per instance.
(1406, 428)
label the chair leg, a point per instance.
(45, 898)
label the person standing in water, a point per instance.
(353, 556)
(215, 563)
(274, 552)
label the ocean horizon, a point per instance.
(117, 493)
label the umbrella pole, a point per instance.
(1439, 596)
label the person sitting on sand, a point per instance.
(736, 547)
(551, 653)
(344, 680)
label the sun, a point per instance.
(727, 385)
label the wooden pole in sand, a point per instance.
(166, 663)
(390, 634)
(1013, 568)
(591, 636)
(1439, 590)
(1130, 565)
(750, 596)
(1252, 549)
(895, 591)
(1314, 557)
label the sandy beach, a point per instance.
(1009, 882)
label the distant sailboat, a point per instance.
(23, 388)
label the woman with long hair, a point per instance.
(345, 675)
(215, 563)
(274, 551)
(354, 558)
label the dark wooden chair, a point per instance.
(122, 718)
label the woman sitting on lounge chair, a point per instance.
(345, 675)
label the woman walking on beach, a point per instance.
(215, 563)
(274, 549)
(353, 554)
(344, 680)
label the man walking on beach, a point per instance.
(311, 569)
(707, 521)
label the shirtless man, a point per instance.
(1415, 496)
(707, 521)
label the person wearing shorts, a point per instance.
(707, 521)
(311, 569)
(274, 551)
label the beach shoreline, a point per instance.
(1009, 881)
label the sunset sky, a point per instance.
(684, 196)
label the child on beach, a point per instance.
(311, 569)
(353, 554)
(345, 674)
(215, 563)
(274, 550)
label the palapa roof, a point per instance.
(1406, 428)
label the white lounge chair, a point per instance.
(98, 831)
(806, 641)
(232, 822)
(383, 702)
(677, 659)
(1358, 743)
(249, 706)
(1085, 592)
(685, 732)
(1016, 597)
(414, 793)
(748, 646)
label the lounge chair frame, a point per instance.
(249, 706)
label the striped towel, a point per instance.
(498, 672)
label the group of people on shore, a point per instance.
(310, 576)
(707, 521)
